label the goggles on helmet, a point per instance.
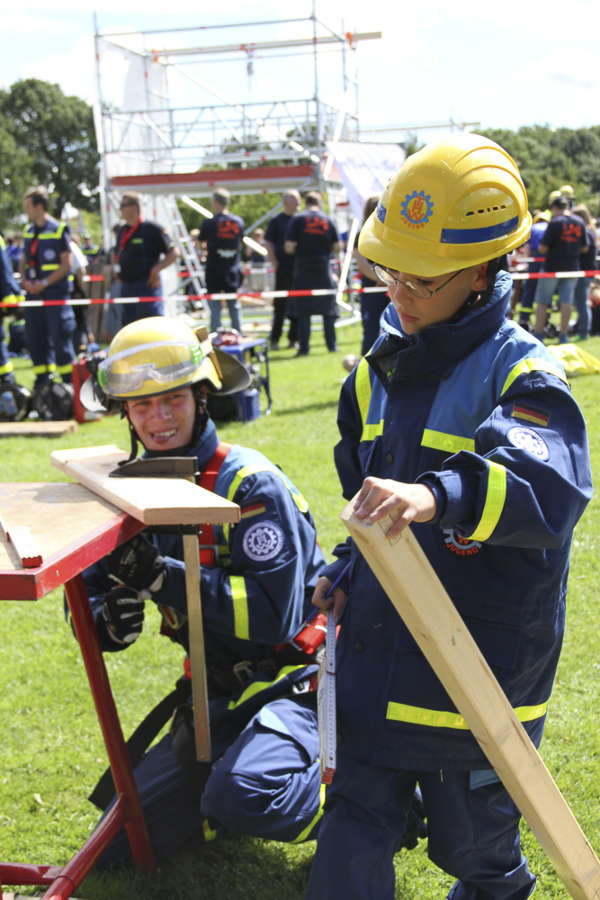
(417, 290)
(117, 383)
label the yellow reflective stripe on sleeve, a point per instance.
(239, 599)
(449, 443)
(533, 364)
(306, 831)
(362, 386)
(439, 718)
(258, 686)
(494, 502)
(299, 500)
(208, 832)
(244, 472)
(64, 370)
(50, 267)
(41, 370)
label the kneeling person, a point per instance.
(257, 578)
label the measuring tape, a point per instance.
(326, 705)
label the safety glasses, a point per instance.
(417, 290)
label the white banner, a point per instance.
(365, 169)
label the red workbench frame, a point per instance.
(64, 568)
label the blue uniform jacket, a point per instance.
(481, 411)
(258, 593)
(52, 240)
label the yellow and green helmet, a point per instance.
(157, 355)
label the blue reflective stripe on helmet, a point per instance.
(475, 235)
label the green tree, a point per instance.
(57, 133)
(15, 174)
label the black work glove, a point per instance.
(138, 564)
(123, 616)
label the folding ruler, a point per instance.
(326, 704)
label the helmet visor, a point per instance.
(120, 375)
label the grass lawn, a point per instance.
(52, 751)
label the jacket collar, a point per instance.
(433, 352)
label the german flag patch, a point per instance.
(256, 510)
(530, 415)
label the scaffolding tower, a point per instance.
(248, 106)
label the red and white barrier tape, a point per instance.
(264, 295)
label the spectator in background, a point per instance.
(89, 249)
(14, 248)
(222, 237)
(531, 248)
(313, 238)
(257, 276)
(142, 251)
(372, 304)
(82, 334)
(283, 264)
(562, 244)
(45, 266)
(588, 263)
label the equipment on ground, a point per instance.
(15, 402)
(53, 401)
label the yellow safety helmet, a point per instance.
(553, 195)
(452, 205)
(567, 190)
(157, 355)
(542, 215)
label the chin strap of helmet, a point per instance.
(480, 298)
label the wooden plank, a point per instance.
(25, 546)
(153, 501)
(196, 638)
(57, 514)
(409, 581)
(37, 429)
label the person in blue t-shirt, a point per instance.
(283, 263)
(222, 237)
(143, 250)
(313, 238)
(563, 243)
(588, 263)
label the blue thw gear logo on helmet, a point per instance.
(416, 209)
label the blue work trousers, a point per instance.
(234, 307)
(473, 834)
(304, 333)
(49, 334)
(584, 313)
(266, 784)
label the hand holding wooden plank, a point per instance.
(404, 572)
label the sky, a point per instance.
(493, 64)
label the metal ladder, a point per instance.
(190, 258)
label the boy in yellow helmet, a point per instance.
(459, 423)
